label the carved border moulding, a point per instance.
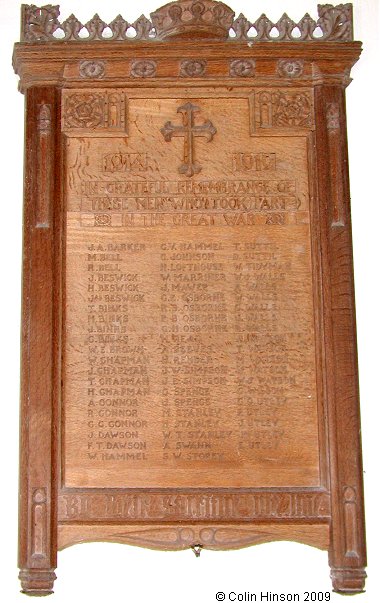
(278, 111)
(288, 77)
(188, 18)
(95, 111)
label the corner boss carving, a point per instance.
(185, 211)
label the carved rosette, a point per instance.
(84, 110)
(242, 68)
(102, 220)
(280, 109)
(290, 68)
(143, 68)
(103, 109)
(193, 68)
(92, 69)
(292, 110)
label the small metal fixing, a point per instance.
(197, 548)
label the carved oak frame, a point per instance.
(53, 516)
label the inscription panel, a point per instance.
(189, 340)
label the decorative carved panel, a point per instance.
(189, 358)
(104, 110)
(273, 111)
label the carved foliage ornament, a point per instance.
(292, 110)
(334, 24)
(280, 109)
(41, 24)
(205, 19)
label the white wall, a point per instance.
(121, 573)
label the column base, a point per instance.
(37, 582)
(348, 581)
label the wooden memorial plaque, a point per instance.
(189, 344)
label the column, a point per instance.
(40, 382)
(347, 540)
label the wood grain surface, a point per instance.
(189, 337)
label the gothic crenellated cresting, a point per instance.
(199, 19)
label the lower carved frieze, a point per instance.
(99, 506)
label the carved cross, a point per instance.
(189, 131)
